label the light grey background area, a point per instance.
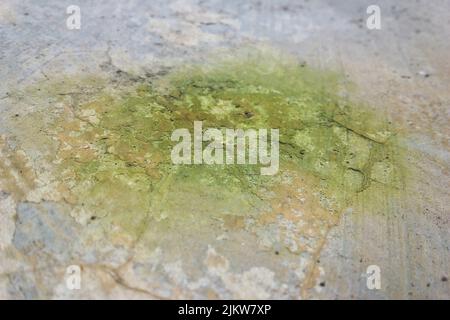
(402, 71)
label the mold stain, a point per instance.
(17, 175)
(114, 166)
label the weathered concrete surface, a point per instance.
(401, 71)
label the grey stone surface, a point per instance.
(403, 70)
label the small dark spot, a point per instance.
(93, 218)
(16, 115)
(25, 13)
(322, 284)
(424, 74)
(248, 114)
(428, 285)
(3, 195)
(444, 279)
(277, 252)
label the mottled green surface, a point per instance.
(118, 158)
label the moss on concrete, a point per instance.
(115, 150)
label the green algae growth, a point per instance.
(114, 153)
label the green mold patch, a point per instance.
(114, 150)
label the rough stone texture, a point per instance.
(402, 71)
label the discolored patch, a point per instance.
(113, 160)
